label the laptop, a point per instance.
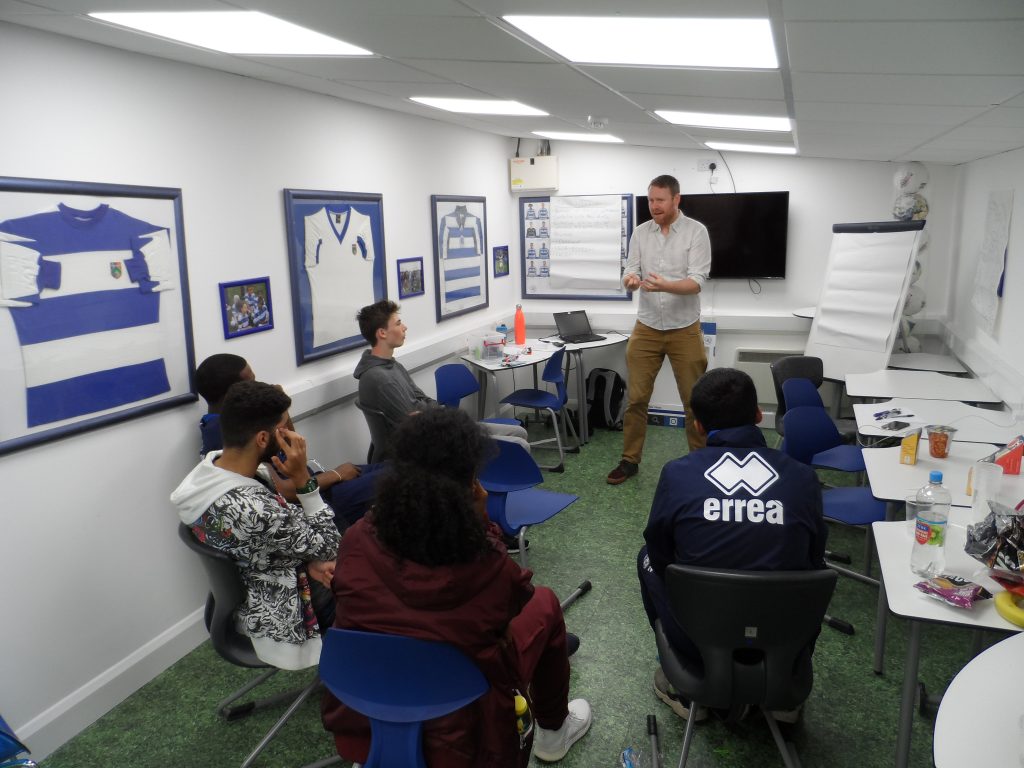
(574, 327)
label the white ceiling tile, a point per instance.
(907, 47)
(408, 90)
(999, 134)
(760, 107)
(885, 113)
(875, 10)
(1017, 101)
(487, 75)
(978, 90)
(691, 82)
(1008, 116)
(823, 129)
(341, 68)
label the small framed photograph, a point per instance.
(460, 254)
(501, 261)
(410, 277)
(246, 307)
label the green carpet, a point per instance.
(850, 718)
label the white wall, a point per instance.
(997, 357)
(98, 592)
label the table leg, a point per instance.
(907, 697)
(881, 618)
(481, 395)
(581, 398)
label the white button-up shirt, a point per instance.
(684, 252)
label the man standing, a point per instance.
(734, 504)
(669, 261)
(385, 385)
(283, 551)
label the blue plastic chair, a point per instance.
(398, 683)
(855, 506)
(512, 501)
(455, 381)
(801, 392)
(11, 747)
(552, 402)
(812, 438)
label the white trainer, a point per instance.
(552, 746)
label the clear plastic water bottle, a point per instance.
(928, 556)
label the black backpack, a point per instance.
(605, 399)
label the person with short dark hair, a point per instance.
(669, 262)
(348, 488)
(426, 562)
(734, 504)
(284, 551)
(384, 383)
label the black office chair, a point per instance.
(226, 593)
(754, 631)
(380, 432)
(804, 367)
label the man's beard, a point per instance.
(272, 449)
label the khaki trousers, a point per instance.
(645, 353)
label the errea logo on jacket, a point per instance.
(754, 475)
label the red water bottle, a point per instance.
(520, 324)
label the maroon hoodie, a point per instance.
(468, 605)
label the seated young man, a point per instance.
(285, 552)
(701, 515)
(348, 488)
(386, 386)
(426, 562)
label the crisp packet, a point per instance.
(954, 590)
(998, 540)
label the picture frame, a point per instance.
(501, 263)
(410, 277)
(95, 319)
(246, 306)
(571, 246)
(459, 233)
(336, 261)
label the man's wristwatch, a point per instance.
(310, 486)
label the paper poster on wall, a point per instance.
(95, 324)
(992, 258)
(574, 247)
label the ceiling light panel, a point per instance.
(239, 32)
(725, 146)
(738, 122)
(478, 106)
(727, 43)
(603, 138)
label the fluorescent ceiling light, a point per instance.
(730, 43)
(479, 106)
(605, 138)
(249, 33)
(740, 122)
(771, 149)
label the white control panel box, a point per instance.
(533, 174)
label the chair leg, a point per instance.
(305, 694)
(787, 750)
(868, 550)
(688, 734)
(560, 466)
(231, 713)
(522, 546)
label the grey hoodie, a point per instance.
(386, 386)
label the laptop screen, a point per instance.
(573, 323)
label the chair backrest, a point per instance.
(795, 367)
(801, 392)
(380, 431)
(398, 682)
(553, 374)
(809, 430)
(10, 746)
(754, 631)
(512, 469)
(454, 381)
(227, 592)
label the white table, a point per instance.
(807, 313)
(896, 591)
(923, 385)
(892, 481)
(979, 714)
(926, 361)
(973, 425)
(542, 350)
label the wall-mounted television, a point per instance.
(747, 230)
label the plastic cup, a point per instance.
(913, 507)
(939, 438)
(987, 482)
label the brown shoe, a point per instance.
(623, 472)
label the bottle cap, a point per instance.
(935, 476)
(520, 704)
